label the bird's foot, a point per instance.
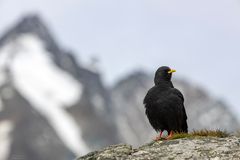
(159, 137)
(169, 136)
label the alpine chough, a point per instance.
(164, 104)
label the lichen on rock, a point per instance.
(113, 152)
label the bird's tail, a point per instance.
(184, 126)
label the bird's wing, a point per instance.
(168, 104)
(178, 101)
(179, 94)
(149, 96)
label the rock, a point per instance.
(121, 151)
(187, 148)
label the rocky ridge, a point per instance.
(211, 148)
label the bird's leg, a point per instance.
(160, 134)
(159, 137)
(170, 135)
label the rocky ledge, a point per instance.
(212, 148)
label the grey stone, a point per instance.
(211, 148)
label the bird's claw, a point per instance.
(157, 138)
(170, 136)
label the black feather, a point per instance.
(164, 104)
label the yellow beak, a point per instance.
(171, 71)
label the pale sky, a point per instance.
(200, 39)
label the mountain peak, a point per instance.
(31, 24)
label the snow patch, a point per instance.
(4, 56)
(5, 139)
(48, 88)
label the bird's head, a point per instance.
(163, 73)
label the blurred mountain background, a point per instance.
(56, 105)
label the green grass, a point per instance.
(201, 133)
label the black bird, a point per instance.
(164, 104)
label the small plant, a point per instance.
(201, 133)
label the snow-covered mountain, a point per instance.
(53, 107)
(204, 111)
